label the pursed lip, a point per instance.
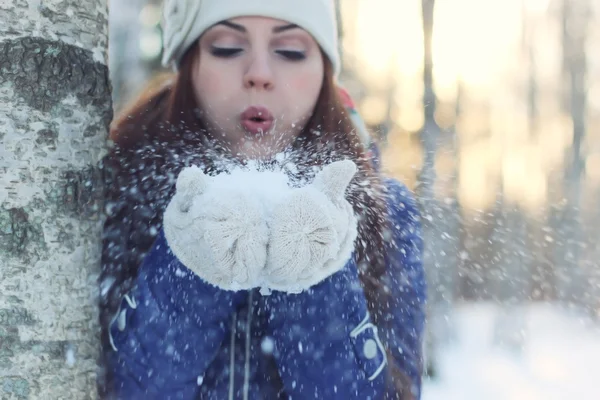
(256, 119)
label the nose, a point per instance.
(259, 74)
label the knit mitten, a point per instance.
(217, 230)
(312, 231)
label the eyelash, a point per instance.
(226, 52)
(292, 55)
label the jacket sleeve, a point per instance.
(325, 344)
(168, 330)
(403, 329)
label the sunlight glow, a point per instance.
(473, 39)
(483, 48)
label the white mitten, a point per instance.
(217, 230)
(312, 231)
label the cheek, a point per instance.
(309, 79)
(301, 84)
(305, 89)
(208, 84)
(214, 91)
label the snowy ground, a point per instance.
(559, 360)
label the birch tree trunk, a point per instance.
(55, 108)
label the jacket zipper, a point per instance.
(246, 387)
(232, 356)
(248, 340)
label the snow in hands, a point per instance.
(251, 228)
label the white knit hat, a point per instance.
(184, 21)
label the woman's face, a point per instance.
(257, 80)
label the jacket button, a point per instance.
(370, 349)
(200, 380)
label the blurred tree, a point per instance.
(125, 30)
(435, 259)
(570, 279)
(340, 27)
(511, 266)
(55, 107)
(541, 286)
(510, 273)
(136, 43)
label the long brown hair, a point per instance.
(164, 122)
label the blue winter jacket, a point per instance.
(177, 337)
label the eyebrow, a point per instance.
(241, 28)
(279, 29)
(231, 25)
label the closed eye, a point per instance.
(292, 55)
(224, 51)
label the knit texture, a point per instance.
(217, 230)
(312, 231)
(250, 229)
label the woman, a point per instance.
(261, 309)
